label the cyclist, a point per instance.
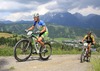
(89, 38)
(43, 31)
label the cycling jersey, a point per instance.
(40, 26)
(89, 39)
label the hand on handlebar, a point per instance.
(26, 30)
(81, 42)
(38, 32)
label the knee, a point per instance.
(39, 40)
(94, 43)
(89, 45)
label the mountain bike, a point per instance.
(24, 48)
(85, 55)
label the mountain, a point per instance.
(79, 16)
(73, 20)
(16, 22)
(54, 30)
(83, 18)
(66, 19)
(5, 22)
(90, 16)
(94, 21)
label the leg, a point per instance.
(41, 38)
(40, 41)
(93, 43)
(89, 47)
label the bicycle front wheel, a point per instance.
(45, 52)
(82, 58)
(22, 50)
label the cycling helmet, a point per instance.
(36, 15)
(89, 33)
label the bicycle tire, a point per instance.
(89, 57)
(16, 47)
(41, 51)
(82, 58)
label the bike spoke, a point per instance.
(22, 50)
(45, 52)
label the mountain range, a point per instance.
(66, 19)
(74, 20)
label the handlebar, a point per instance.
(86, 42)
(37, 32)
(81, 42)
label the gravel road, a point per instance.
(55, 63)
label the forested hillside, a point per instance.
(55, 31)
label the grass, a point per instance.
(61, 39)
(96, 53)
(6, 35)
(96, 63)
(6, 51)
(59, 51)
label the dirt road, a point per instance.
(55, 63)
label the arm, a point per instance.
(84, 39)
(93, 40)
(44, 29)
(31, 28)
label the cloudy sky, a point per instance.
(24, 9)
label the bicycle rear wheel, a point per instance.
(22, 50)
(45, 52)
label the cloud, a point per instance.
(31, 1)
(19, 16)
(26, 14)
(65, 5)
(85, 11)
(23, 9)
(41, 9)
(12, 7)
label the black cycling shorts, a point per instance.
(90, 42)
(41, 34)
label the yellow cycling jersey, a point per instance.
(89, 39)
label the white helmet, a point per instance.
(36, 14)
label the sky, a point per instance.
(16, 10)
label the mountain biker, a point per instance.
(43, 31)
(89, 38)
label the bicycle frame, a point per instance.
(33, 37)
(34, 42)
(85, 50)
